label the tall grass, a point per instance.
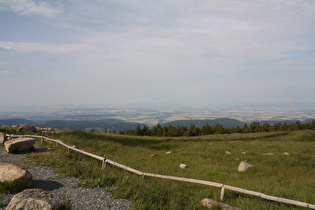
(289, 176)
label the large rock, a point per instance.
(212, 204)
(19, 145)
(29, 129)
(12, 173)
(244, 166)
(35, 199)
(3, 137)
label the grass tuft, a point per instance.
(12, 187)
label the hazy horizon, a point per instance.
(152, 115)
(148, 105)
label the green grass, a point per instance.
(290, 176)
(12, 187)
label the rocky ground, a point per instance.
(77, 197)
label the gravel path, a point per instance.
(78, 197)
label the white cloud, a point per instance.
(7, 72)
(31, 7)
(22, 47)
(226, 28)
(5, 49)
(259, 11)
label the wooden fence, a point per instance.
(196, 181)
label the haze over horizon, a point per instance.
(186, 52)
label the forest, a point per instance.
(193, 130)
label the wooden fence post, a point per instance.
(42, 140)
(104, 164)
(222, 193)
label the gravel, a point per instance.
(66, 188)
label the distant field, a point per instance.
(289, 176)
(153, 115)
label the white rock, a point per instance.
(228, 152)
(182, 165)
(286, 153)
(212, 204)
(244, 166)
(169, 152)
(244, 153)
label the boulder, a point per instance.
(182, 166)
(228, 152)
(35, 199)
(24, 128)
(19, 145)
(244, 166)
(212, 204)
(12, 173)
(3, 137)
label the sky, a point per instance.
(180, 52)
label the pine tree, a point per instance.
(138, 131)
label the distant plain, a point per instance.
(152, 115)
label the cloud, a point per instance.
(7, 72)
(6, 49)
(260, 30)
(30, 7)
(22, 47)
(259, 11)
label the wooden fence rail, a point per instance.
(196, 181)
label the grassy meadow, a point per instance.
(289, 176)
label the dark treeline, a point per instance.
(207, 129)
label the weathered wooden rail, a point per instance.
(195, 181)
